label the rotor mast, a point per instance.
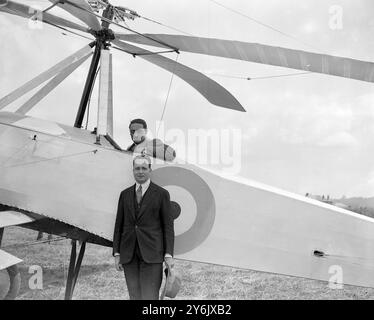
(102, 37)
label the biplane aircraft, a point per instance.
(65, 180)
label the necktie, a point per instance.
(139, 194)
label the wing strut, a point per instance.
(46, 75)
(43, 92)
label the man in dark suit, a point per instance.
(143, 233)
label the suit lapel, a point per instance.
(147, 198)
(130, 199)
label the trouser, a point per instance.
(143, 279)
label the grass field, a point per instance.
(99, 280)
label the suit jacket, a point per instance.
(152, 227)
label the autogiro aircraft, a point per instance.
(65, 180)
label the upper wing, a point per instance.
(259, 53)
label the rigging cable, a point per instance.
(166, 26)
(17, 245)
(62, 28)
(264, 24)
(167, 95)
(51, 159)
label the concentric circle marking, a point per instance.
(205, 204)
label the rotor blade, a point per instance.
(25, 11)
(211, 90)
(89, 19)
(259, 53)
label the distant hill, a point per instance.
(360, 205)
(357, 202)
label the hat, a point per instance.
(172, 284)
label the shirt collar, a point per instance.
(145, 185)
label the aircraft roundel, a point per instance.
(205, 205)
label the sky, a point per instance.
(306, 133)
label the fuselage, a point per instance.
(60, 172)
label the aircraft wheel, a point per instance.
(10, 284)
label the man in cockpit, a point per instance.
(152, 147)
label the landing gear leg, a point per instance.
(15, 282)
(14, 277)
(40, 236)
(74, 267)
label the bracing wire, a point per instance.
(67, 30)
(167, 96)
(167, 26)
(17, 245)
(263, 24)
(72, 32)
(51, 159)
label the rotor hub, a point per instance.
(104, 35)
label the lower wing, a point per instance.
(7, 219)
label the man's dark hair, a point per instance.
(140, 121)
